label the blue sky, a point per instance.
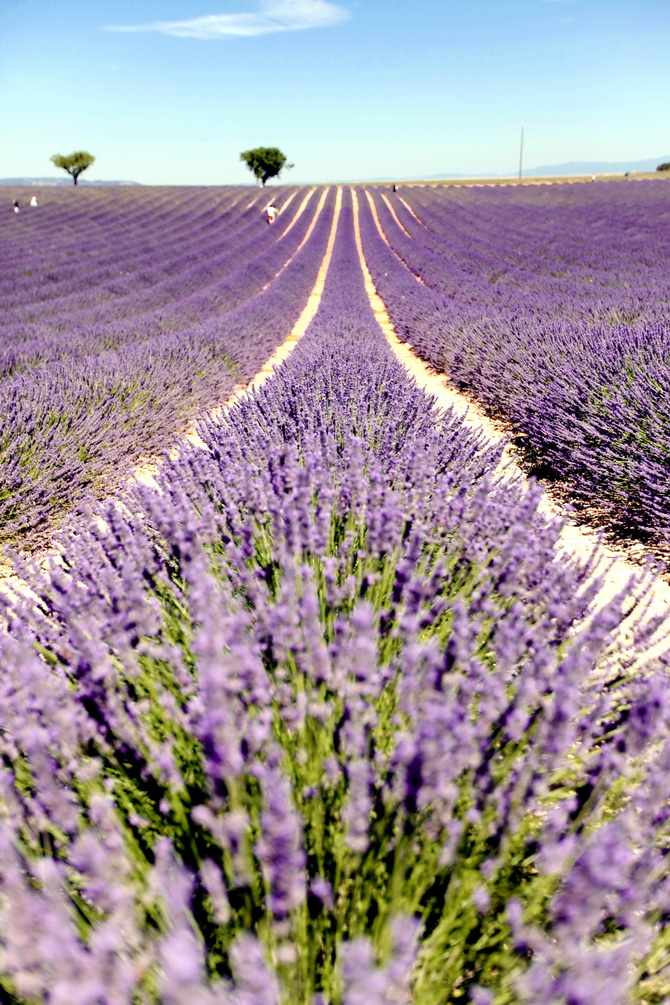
(170, 91)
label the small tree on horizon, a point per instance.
(74, 163)
(265, 162)
(665, 166)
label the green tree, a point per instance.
(664, 167)
(265, 162)
(74, 163)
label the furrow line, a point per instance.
(375, 216)
(301, 209)
(305, 238)
(145, 473)
(620, 577)
(410, 210)
(393, 213)
(300, 327)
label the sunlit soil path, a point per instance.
(391, 211)
(145, 472)
(410, 210)
(577, 542)
(313, 301)
(297, 216)
(375, 216)
(619, 576)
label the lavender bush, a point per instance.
(551, 305)
(83, 400)
(326, 719)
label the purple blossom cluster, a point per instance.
(551, 305)
(122, 322)
(325, 719)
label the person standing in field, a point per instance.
(271, 211)
(33, 200)
(16, 205)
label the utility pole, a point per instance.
(521, 153)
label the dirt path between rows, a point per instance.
(146, 470)
(382, 233)
(619, 576)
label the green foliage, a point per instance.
(404, 869)
(665, 166)
(265, 162)
(74, 163)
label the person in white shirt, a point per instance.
(271, 211)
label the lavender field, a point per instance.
(551, 305)
(121, 319)
(326, 717)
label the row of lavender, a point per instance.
(123, 319)
(323, 720)
(168, 238)
(552, 305)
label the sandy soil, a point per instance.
(145, 471)
(619, 576)
(147, 468)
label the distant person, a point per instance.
(395, 188)
(16, 205)
(271, 211)
(593, 177)
(33, 200)
(627, 175)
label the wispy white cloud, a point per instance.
(273, 16)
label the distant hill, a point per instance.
(595, 167)
(61, 181)
(570, 167)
